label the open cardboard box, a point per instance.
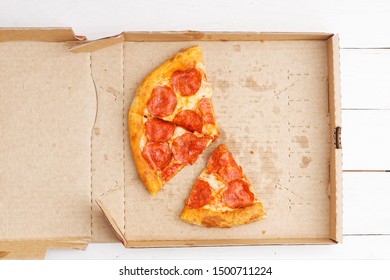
(65, 154)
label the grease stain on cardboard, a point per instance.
(305, 161)
(276, 110)
(302, 141)
(223, 85)
(237, 48)
(97, 131)
(267, 159)
(3, 254)
(252, 84)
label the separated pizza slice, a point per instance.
(178, 91)
(161, 149)
(222, 195)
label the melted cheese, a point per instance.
(178, 132)
(143, 140)
(216, 184)
(217, 208)
(210, 130)
(217, 187)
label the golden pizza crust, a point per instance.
(183, 60)
(227, 219)
(147, 174)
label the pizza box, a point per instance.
(67, 175)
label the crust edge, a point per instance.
(227, 219)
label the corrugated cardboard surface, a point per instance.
(47, 109)
(107, 134)
(273, 113)
(64, 141)
(335, 189)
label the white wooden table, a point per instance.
(364, 28)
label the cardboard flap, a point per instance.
(180, 36)
(91, 46)
(22, 250)
(175, 36)
(25, 254)
(108, 132)
(335, 183)
(47, 110)
(39, 34)
(36, 249)
(112, 205)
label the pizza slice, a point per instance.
(171, 119)
(161, 149)
(178, 91)
(222, 195)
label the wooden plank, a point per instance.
(365, 79)
(365, 139)
(360, 23)
(356, 247)
(366, 209)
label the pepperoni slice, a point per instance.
(200, 194)
(187, 147)
(206, 110)
(214, 165)
(162, 101)
(223, 163)
(158, 130)
(197, 147)
(238, 194)
(189, 120)
(186, 82)
(181, 147)
(171, 171)
(229, 170)
(158, 155)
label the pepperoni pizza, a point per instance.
(171, 118)
(222, 196)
